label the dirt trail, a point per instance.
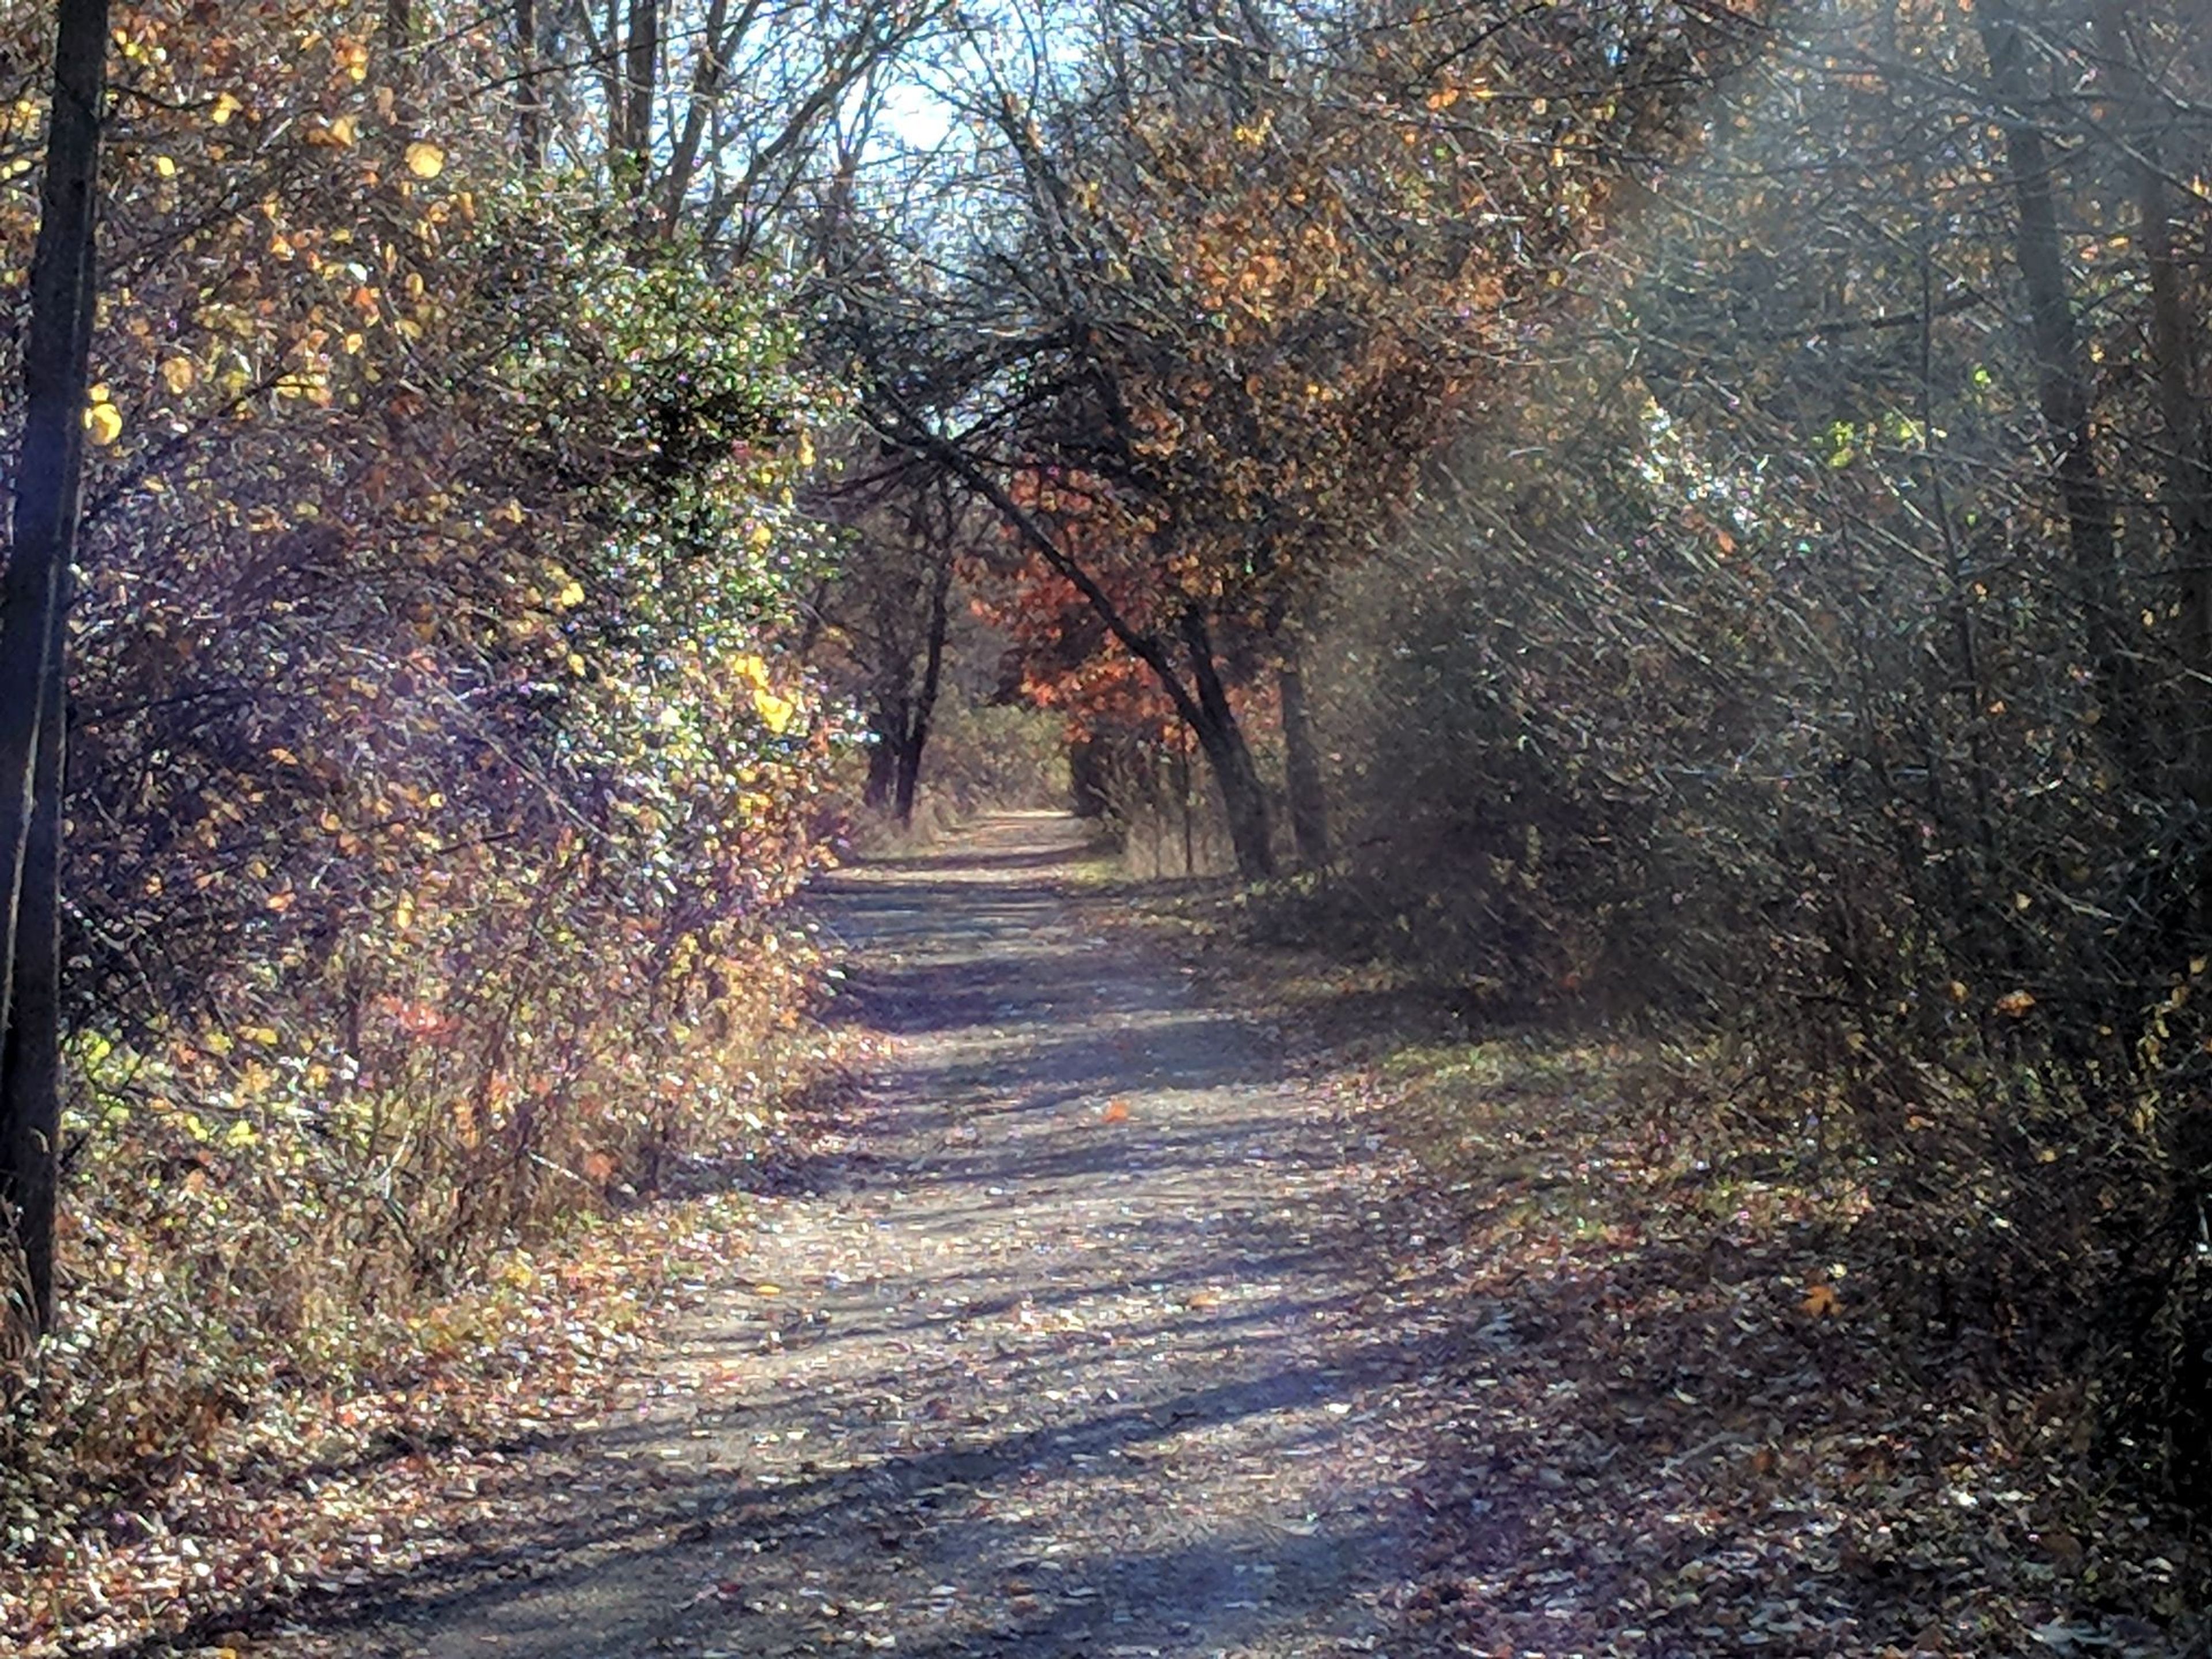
(1065, 1361)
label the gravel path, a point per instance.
(1065, 1360)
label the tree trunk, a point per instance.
(640, 67)
(889, 726)
(2173, 347)
(1182, 803)
(1086, 778)
(30, 1053)
(49, 483)
(1302, 762)
(1243, 796)
(2062, 385)
(609, 52)
(529, 95)
(924, 704)
(705, 86)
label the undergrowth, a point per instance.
(207, 1435)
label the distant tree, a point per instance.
(886, 612)
(1234, 271)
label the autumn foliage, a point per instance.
(437, 774)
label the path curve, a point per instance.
(1065, 1362)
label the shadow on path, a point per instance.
(1068, 1364)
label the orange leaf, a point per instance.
(1117, 1111)
(1821, 1302)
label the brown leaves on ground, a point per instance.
(1663, 1426)
(328, 1492)
(1662, 1418)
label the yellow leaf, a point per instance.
(425, 160)
(768, 1290)
(265, 1035)
(775, 712)
(225, 106)
(570, 596)
(104, 422)
(177, 374)
(165, 167)
(345, 129)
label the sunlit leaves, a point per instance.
(424, 525)
(102, 419)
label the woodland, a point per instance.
(1683, 524)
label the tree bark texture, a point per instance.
(2173, 348)
(2062, 381)
(529, 95)
(925, 702)
(641, 68)
(1243, 796)
(49, 483)
(30, 1053)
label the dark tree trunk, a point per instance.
(49, 481)
(2063, 384)
(640, 67)
(705, 84)
(925, 705)
(887, 725)
(529, 95)
(1087, 796)
(1243, 796)
(30, 1053)
(610, 53)
(1302, 763)
(2173, 347)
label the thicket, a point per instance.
(1806, 647)
(439, 758)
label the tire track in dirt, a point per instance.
(1065, 1362)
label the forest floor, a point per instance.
(1150, 1295)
